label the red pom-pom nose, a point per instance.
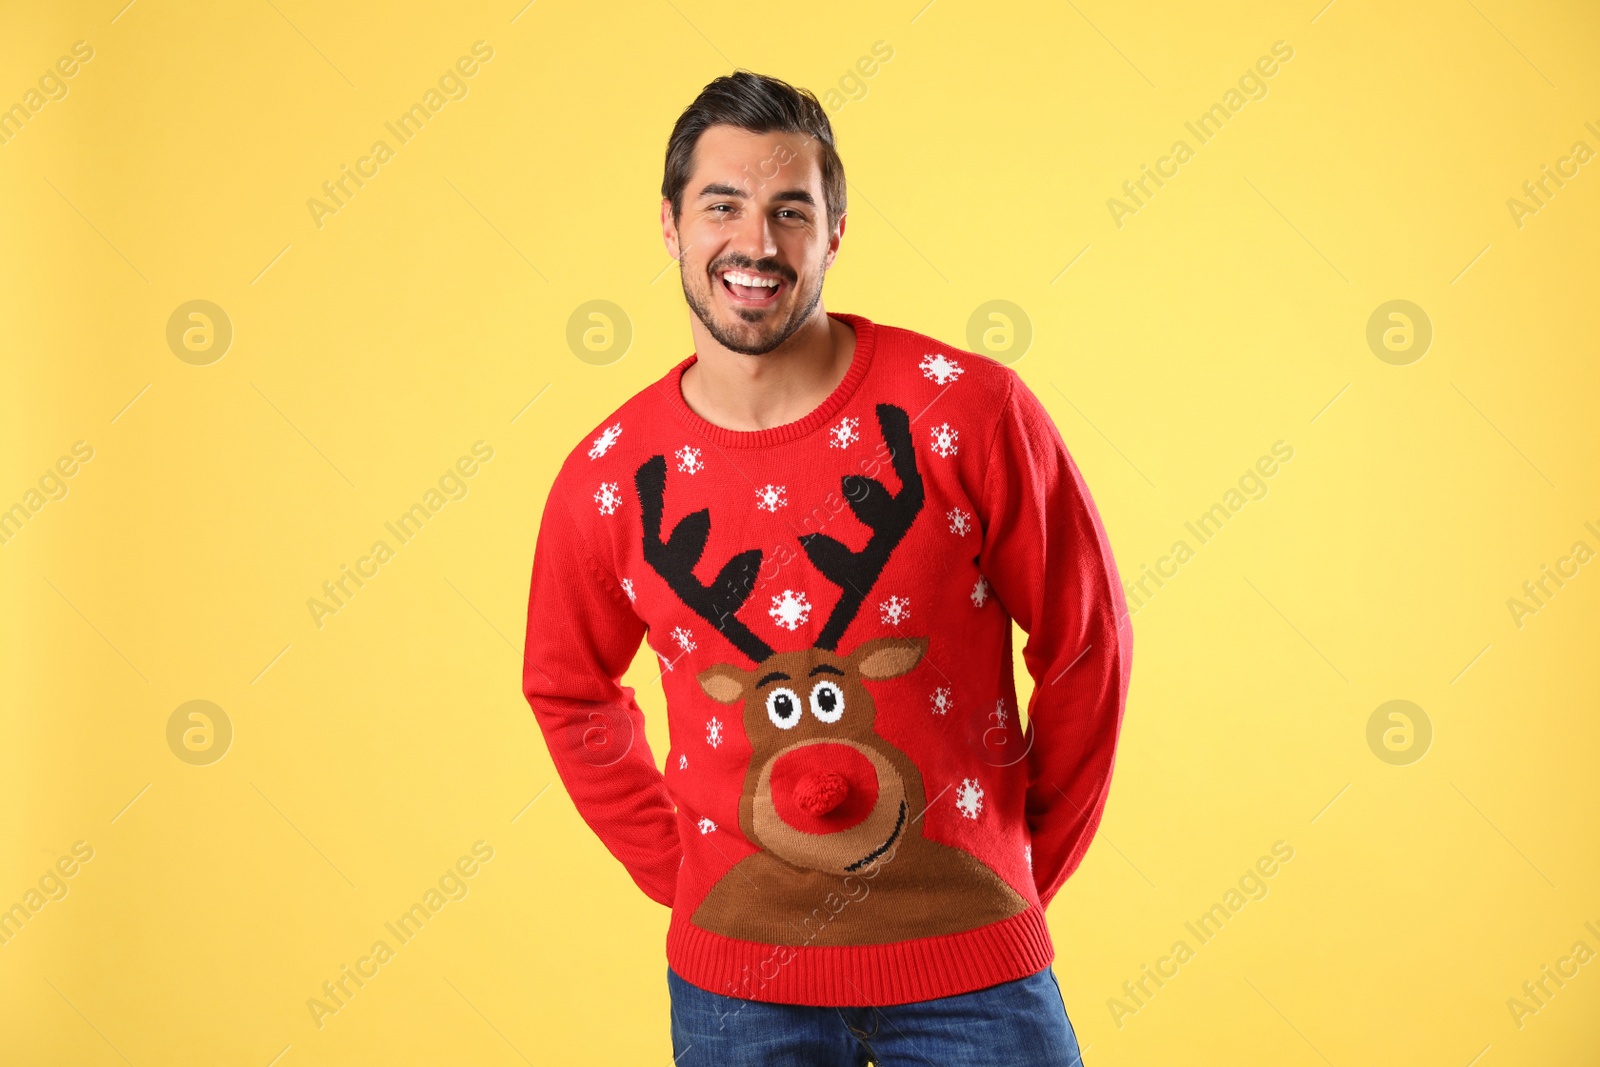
(821, 791)
(824, 787)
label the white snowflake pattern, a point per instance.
(666, 664)
(969, 797)
(706, 825)
(608, 497)
(689, 461)
(941, 700)
(980, 591)
(960, 522)
(627, 587)
(895, 610)
(941, 369)
(602, 444)
(1000, 711)
(684, 637)
(771, 497)
(683, 761)
(844, 434)
(943, 439)
(790, 610)
(1027, 854)
(714, 731)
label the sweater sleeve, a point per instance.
(582, 635)
(1046, 556)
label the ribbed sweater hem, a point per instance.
(861, 975)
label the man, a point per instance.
(825, 526)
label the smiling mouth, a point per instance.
(754, 296)
(899, 824)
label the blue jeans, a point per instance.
(1022, 1023)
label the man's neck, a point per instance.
(740, 392)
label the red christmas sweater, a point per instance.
(850, 814)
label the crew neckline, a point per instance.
(860, 362)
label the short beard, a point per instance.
(733, 344)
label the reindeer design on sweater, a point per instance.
(826, 797)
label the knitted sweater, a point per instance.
(850, 814)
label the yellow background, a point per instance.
(368, 354)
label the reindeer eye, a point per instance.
(827, 701)
(783, 708)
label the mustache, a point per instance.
(755, 267)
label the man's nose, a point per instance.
(824, 787)
(753, 235)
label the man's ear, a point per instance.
(888, 657)
(724, 683)
(669, 229)
(834, 238)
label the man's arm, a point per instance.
(582, 635)
(1046, 556)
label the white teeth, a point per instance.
(740, 278)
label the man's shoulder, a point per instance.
(964, 381)
(971, 379)
(613, 446)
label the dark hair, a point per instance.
(759, 104)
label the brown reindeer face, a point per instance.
(824, 792)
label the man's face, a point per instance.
(754, 207)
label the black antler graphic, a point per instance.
(889, 517)
(676, 558)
